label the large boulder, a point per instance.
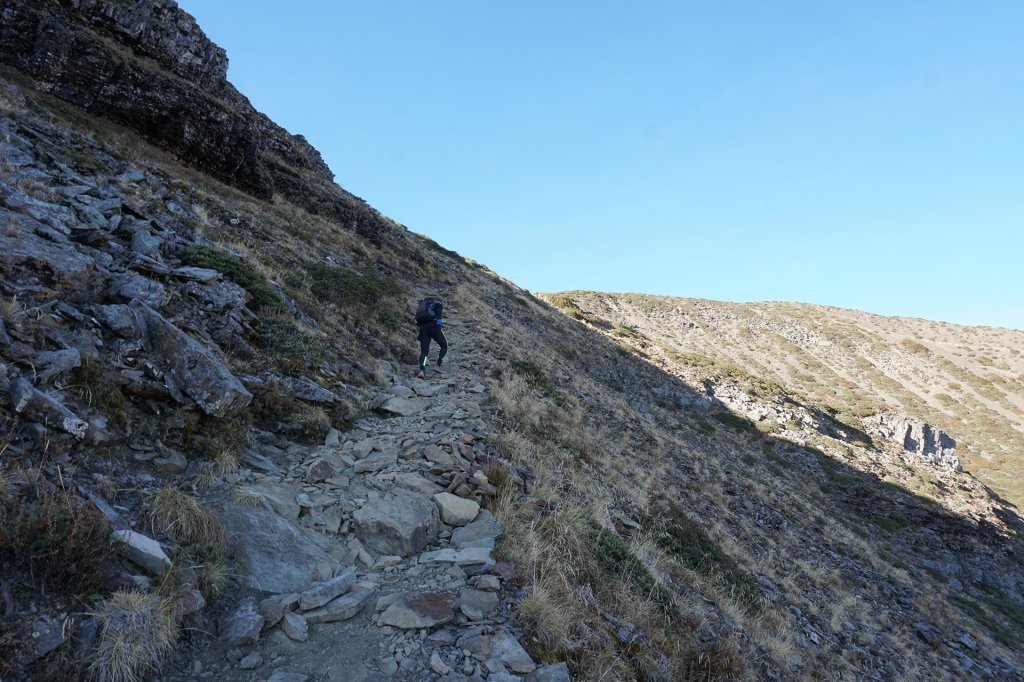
(399, 522)
(274, 554)
(191, 366)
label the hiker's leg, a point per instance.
(438, 336)
(424, 345)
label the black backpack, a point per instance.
(425, 311)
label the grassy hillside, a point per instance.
(967, 381)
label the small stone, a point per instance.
(439, 666)
(376, 462)
(477, 602)
(388, 665)
(403, 407)
(400, 522)
(142, 550)
(461, 557)
(273, 608)
(173, 463)
(333, 437)
(243, 625)
(487, 583)
(456, 511)
(48, 634)
(320, 471)
(251, 662)
(192, 602)
(507, 649)
(480, 533)
(295, 627)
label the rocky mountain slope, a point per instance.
(215, 462)
(881, 373)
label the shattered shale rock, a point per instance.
(46, 409)
(321, 593)
(192, 367)
(400, 522)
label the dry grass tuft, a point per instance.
(224, 462)
(139, 631)
(185, 519)
(247, 497)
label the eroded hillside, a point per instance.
(217, 463)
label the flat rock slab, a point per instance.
(480, 533)
(403, 407)
(559, 672)
(478, 601)
(319, 594)
(400, 522)
(343, 607)
(509, 651)
(376, 461)
(500, 647)
(274, 554)
(455, 510)
(417, 483)
(279, 496)
(143, 551)
(416, 610)
(461, 557)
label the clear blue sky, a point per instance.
(861, 154)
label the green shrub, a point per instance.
(614, 556)
(535, 378)
(293, 348)
(684, 538)
(350, 290)
(235, 269)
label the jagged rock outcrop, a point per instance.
(96, 54)
(934, 446)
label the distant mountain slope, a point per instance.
(967, 381)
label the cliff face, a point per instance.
(148, 66)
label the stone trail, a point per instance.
(370, 557)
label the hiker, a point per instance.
(428, 318)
